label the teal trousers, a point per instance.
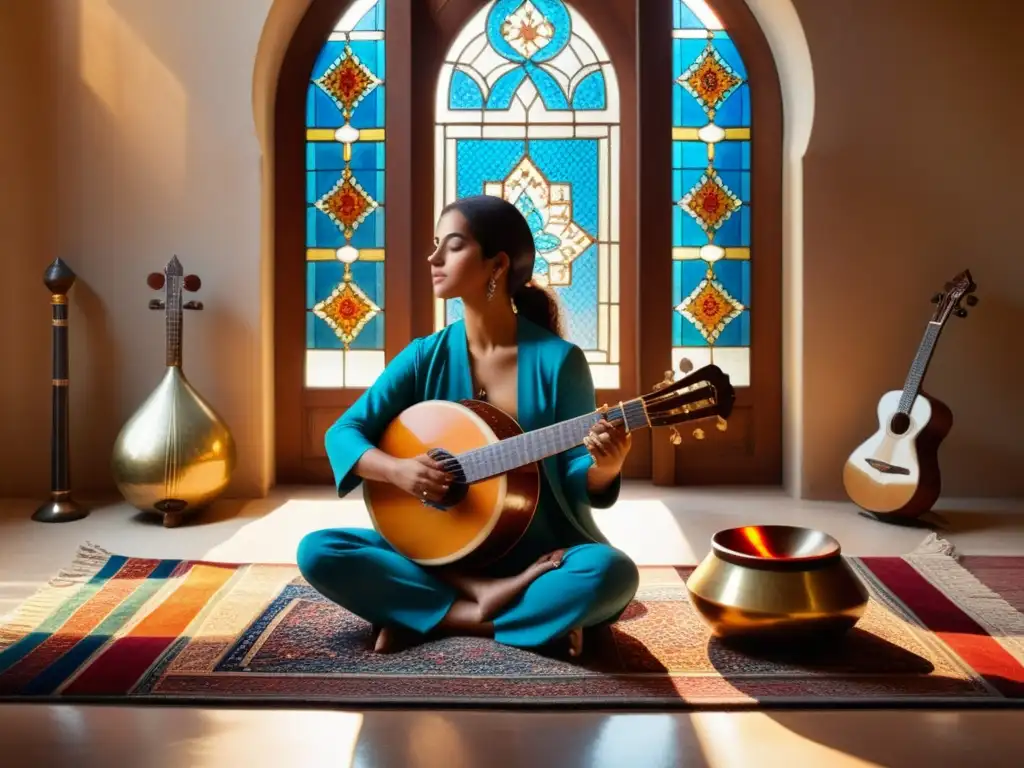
(360, 571)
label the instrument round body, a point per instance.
(776, 582)
(896, 471)
(175, 454)
(488, 518)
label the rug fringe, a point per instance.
(89, 560)
(934, 545)
(994, 614)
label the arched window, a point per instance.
(528, 109)
(711, 131)
(592, 116)
(345, 203)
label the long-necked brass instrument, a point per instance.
(175, 455)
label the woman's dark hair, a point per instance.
(499, 227)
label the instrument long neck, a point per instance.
(530, 447)
(173, 319)
(915, 377)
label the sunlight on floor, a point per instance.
(227, 739)
(758, 739)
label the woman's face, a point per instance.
(457, 266)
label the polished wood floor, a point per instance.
(654, 526)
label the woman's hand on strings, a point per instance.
(608, 445)
(422, 477)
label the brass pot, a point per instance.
(776, 582)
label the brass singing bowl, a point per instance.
(776, 582)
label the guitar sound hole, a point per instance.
(458, 489)
(900, 423)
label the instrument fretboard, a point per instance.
(529, 447)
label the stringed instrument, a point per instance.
(496, 465)
(895, 472)
(175, 454)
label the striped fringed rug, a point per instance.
(938, 630)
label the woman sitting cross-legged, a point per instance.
(562, 576)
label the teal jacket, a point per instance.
(555, 384)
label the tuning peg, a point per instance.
(156, 303)
(961, 312)
(698, 433)
(192, 283)
(193, 305)
(972, 300)
(155, 280)
(675, 438)
(685, 366)
(937, 298)
(669, 378)
(721, 424)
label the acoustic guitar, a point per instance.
(496, 465)
(895, 472)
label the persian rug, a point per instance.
(938, 630)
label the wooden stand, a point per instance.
(61, 508)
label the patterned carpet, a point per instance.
(938, 629)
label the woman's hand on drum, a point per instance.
(421, 477)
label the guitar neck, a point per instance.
(530, 447)
(912, 386)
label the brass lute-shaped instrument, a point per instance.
(175, 455)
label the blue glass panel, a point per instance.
(574, 161)
(736, 231)
(732, 156)
(322, 277)
(549, 89)
(369, 113)
(454, 311)
(736, 333)
(372, 335)
(464, 93)
(727, 50)
(324, 156)
(590, 93)
(373, 19)
(372, 183)
(734, 180)
(319, 335)
(326, 113)
(504, 89)
(371, 54)
(684, 18)
(690, 114)
(688, 49)
(366, 155)
(735, 110)
(370, 234)
(331, 52)
(693, 235)
(677, 226)
(311, 232)
(369, 276)
(734, 275)
(482, 160)
(690, 154)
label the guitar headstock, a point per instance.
(960, 289)
(703, 394)
(172, 281)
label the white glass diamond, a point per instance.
(711, 133)
(346, 134)
(712, 253)
(347, 254)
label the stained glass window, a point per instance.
(528, 109)
(711, 195)
(345, 203)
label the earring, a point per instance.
(492, 286)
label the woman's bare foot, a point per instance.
(575, 638)
(390, 640)
(491, 595)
